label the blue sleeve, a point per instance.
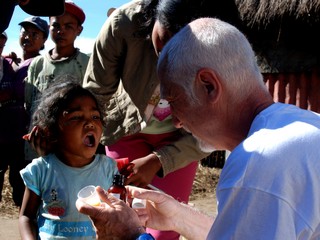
(32, 175)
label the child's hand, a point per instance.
(39, 142)
(143, 170)
(31, 134)
(26, 137)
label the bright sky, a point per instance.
(96, 14)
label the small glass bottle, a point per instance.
(118, 189)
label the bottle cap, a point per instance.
(138, 203)
(122, 163)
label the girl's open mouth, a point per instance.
(89, 140)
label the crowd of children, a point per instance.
(22, 78)
(65, 127)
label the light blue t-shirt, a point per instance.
(269, 187)
(58, 184)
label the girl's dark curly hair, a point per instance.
(54, 101)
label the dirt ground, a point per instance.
(202, 198)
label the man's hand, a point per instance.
(113, 219)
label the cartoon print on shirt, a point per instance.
(53, 195)
(162, 110)
(55, 206)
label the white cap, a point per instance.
(139, 203)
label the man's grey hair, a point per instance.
(210, 43)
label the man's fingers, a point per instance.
(104, 196)
(85, 208)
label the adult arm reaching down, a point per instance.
(162, 212)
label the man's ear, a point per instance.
(210, 83)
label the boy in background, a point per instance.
(63, 59)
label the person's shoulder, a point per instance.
(83, 55)
(125, 19)
(7, 62)
(36, 65)
(37, 60)
(40, 162)
(40, 166)
(103, 157)
(126, 10)
(7, 69)
(285, 109)
(82, 58)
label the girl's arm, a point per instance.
(28, 215)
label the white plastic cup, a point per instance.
(138, 203)
(89, 195)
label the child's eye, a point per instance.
(69, 27)
(55, 26)
(96, 117)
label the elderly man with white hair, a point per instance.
(269, 187)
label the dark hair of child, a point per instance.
(54, 100)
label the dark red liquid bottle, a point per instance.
(117, 189)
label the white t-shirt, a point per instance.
(269, 187)
(58, 184)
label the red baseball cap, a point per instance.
(75, 10)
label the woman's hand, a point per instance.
(143, 170)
